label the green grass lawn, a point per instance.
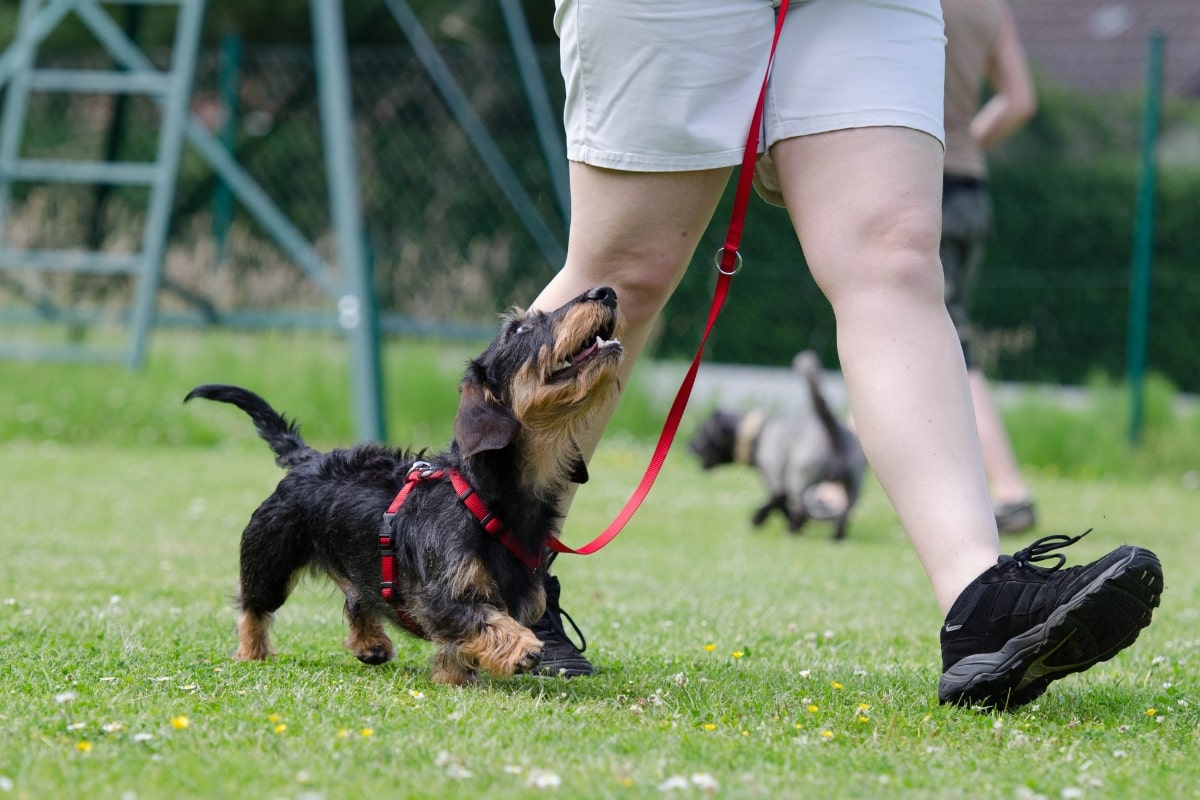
(758, 663)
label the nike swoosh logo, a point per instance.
(952, 628)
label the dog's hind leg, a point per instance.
(271, 560)
(797, 518)
(254, 641)
(367, 638)
(777, 502)
(853, 487)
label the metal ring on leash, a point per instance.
(737, 264)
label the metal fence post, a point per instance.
(1143, 240)
(356, 306)
(228, 80)
(548, 125)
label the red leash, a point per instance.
(728, 261)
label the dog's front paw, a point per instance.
(529, 661)
(503, 647)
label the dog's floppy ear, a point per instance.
(481, 423)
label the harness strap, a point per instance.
(387, 564)
(490, 522)
(387, 541)
(493, 525)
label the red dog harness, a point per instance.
(422, 471)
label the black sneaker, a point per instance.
(560, 656)
(1018, 627)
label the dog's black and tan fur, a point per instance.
(524, 403)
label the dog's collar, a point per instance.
(747, 437)
(422, 471)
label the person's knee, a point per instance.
(907, 253)
(643, 280)
(895, 257)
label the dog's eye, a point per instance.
(524, 327)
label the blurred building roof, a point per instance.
(1102, 44)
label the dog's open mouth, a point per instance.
(599, 344)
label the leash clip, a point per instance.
(737, 263)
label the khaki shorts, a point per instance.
(670, 85)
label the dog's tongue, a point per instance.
(585, 352)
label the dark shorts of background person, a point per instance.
(966, 224)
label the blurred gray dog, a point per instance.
(794, 455)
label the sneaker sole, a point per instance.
(1104, 618)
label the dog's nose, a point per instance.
(603, 294)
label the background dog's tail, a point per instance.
(283, 436)
(809, 366)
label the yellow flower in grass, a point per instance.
(1151, 712)
(343, 733)
(813, 708)
(281, 727)
(826, 734)
(835, 684)
(273, 718)
(710, 647)
(179, 723)
(83, 747)
(708, 726)
(367, 733)
(737, 654)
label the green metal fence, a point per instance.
(456, 230)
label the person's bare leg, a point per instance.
(635, 232)
(999, 461)
(866, 204)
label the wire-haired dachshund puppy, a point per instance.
(794, 455)
(447, 546)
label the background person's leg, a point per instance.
(1004, 475)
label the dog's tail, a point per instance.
(809, 366)
(283, 436)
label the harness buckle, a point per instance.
(420, 470)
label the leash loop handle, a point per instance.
(729, 262)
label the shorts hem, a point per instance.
(874, 118)
(652, 162)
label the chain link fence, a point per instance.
(449, 250)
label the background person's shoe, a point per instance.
(1015, 517)
(560, 656)
(1017, 627)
